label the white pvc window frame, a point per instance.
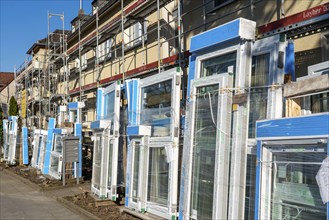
(98, 142)
(35, 144)
(114, 140)
(114, 87)
(223, 81)
(173, 75)
(240, 81)
(267, 166)
(109, 136)
(170, 143)
(41, 156)
(159, 209)
(59, 155)
(272, 45)
(140, 202)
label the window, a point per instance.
(204, 157)
(83, 61)
(97, 161)
(109, 100)
(104, 50)
(133, 35)
(216, 4)
(156, 107)
(320, 103)
(135, 169)
(291, 190)
(218, 64)
(258, 95)
(158, 176)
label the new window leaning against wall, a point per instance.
(208, 137)
(265, 102)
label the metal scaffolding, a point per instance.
(57, 68)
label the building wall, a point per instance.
(309, 49)
(137, 56)
(6, 94)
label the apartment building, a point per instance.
(7, 89)
(104, 49)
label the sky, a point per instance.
(23, 22)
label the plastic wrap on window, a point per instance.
(158, 176)
(208, 132)
(55, 157)
(289, 189)
(97, 162)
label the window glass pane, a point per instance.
(158, 176)
(218, 64)
(42, 151)
(156, 108)
(136, 170)
(39, 149)
(58, 144)
(54, 164)
(320, 103)
(109, 182)
(250, 187)
(294, 192)
(204, 152)
(97, 161)
(109, 100)
(258, 96)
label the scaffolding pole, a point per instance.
(56, 58)
(123, 41)
(159, 32)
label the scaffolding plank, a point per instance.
(307, 85)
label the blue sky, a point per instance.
(23, 22)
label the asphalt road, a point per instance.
(20, 201)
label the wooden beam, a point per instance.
(306, 85)
(293, 108)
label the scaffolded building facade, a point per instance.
(140, 39)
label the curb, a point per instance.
(76, 209)
(144, 216)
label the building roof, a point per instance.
(5, 79)
(43, 42)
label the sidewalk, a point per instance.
(23, 201)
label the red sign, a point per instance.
(296, 18)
